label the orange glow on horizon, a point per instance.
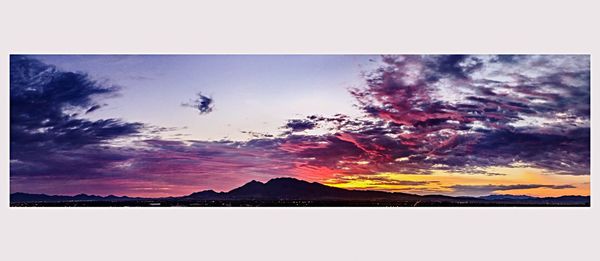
(441, 182)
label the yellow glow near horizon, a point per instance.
(440, 181)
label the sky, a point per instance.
(297, 85)
(171, 125)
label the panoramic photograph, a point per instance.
(299, 130)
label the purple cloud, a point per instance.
(202, 103)
(460, 112)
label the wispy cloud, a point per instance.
(489, 189)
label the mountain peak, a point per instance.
(285, 180)
(203, 194)
(208, 191)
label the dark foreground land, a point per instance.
(288, 203)
(288, 192)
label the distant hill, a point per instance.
(280, 191)
(506, 197)
(26, 197)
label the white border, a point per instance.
(304, 27)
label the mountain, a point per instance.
(26, 197)
(202, 195)
(565, 200)
(295, 189)
(282, 191)
(506, 197)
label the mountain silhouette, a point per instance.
(505, 197)
(26, 197)
(295, 189)
(291, 189)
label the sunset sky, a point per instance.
(170, 125)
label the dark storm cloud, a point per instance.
(52, 149)
(45, 103)
(203, 104)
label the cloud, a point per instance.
(297, 125)
(151, 167)
(420, 113)
(376, 181)
(203, 104)
(45, 105)
(489, 189)
(461, 113)
(54, 150)
(93, 108)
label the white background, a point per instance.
(282, 27)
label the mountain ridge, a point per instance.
(289, 189)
